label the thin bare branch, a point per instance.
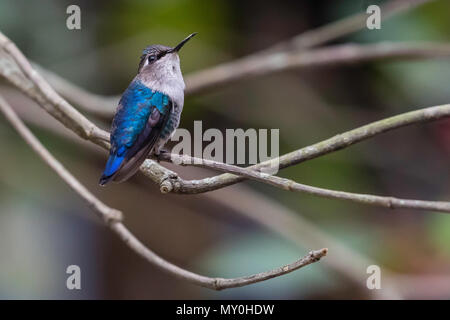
(112, 218)
(102, 106)
(259, 65)
(207, 282)
(43, 93)
(171, 182)
(290, 185)
(343, 27)
(106, 213)
(344, 260)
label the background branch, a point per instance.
(343, 27)
(258, 65)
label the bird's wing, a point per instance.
(139, 119)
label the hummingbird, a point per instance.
(148, 113)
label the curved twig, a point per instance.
(259, 65)
(342, 28)
(290, 185)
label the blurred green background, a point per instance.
(44, 227)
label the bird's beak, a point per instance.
(182, 43)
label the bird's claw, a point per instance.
(160, 153)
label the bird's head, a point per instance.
(159, 59)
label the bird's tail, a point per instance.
(112, 167)
(131, 166)
(121, 168)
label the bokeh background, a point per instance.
(44, 227)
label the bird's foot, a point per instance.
(160, 154)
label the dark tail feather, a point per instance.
(119, 169)
(132, 166)
(112, 167)
(105, 179)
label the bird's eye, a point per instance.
(151, 58)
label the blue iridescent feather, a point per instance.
(132, 130)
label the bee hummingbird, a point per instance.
(148, 112)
